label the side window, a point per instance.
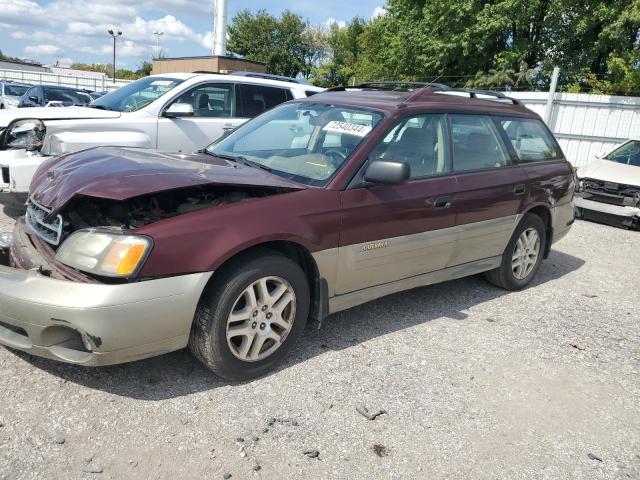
(530, 140)
(210, 100)
(476, 143)
(256, 99)
(420, 141)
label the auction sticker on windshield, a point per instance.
(348, 128)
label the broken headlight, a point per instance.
(27, 134)
(104, 253)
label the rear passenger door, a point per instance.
(491, 187)
(392, 232)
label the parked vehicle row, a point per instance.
(23, 95)
(174, 112)
(318, 205)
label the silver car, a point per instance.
(10, 93)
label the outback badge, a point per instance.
(374, 246)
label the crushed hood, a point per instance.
(610, 171)
(121, 173)
(54, 113)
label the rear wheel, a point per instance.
(251, 316)
(523, 255)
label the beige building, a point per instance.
(210, 64)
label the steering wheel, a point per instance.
(338, 157)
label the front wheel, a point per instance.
(523, 255)
(251, 316)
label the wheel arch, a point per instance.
(299, 254)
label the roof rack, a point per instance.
(269, 76)
(473, 93)
(420, 89)
(393, 86)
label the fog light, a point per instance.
(6, 238)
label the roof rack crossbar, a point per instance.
(473, 93)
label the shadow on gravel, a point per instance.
(178, 374)
(12, 206)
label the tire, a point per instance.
(229, 292)
(506, 275)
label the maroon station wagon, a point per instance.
(314, 207)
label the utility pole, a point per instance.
(115, 35)
(219, 47)
(157, 33)
(548, 111)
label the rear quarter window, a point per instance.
(530, 139)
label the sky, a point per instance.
(70, 31)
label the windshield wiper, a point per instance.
(239, 159)
(100, 107)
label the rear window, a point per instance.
(530, 140)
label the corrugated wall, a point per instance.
(587, 124)
(90, 82)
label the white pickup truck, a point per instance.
(179, 112)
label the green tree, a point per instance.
(510, 43)
(284, 43)
(341, 49)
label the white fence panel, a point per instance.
(586, 124)
(93, 83)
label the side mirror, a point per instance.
(601, 154)
(34, 99)
(387, 173)
(179, 110)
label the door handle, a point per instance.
(442, 202)
(519, 190)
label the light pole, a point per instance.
(115, 35)
(157, 33)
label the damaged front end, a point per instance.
(607, 202)
(71, 287)
(94, 239)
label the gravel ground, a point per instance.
(475, 383)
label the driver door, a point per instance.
(393, 232)
(214, 110)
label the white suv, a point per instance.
(179, 112)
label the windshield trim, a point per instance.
(306, 181)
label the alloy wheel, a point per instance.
(261, 319)
(525, 254)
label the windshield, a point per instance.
(629, 153)
(307, 143)
(14, 90)
(136, 95)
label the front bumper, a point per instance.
(17, 168)
(607, 213)
(96, 324)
